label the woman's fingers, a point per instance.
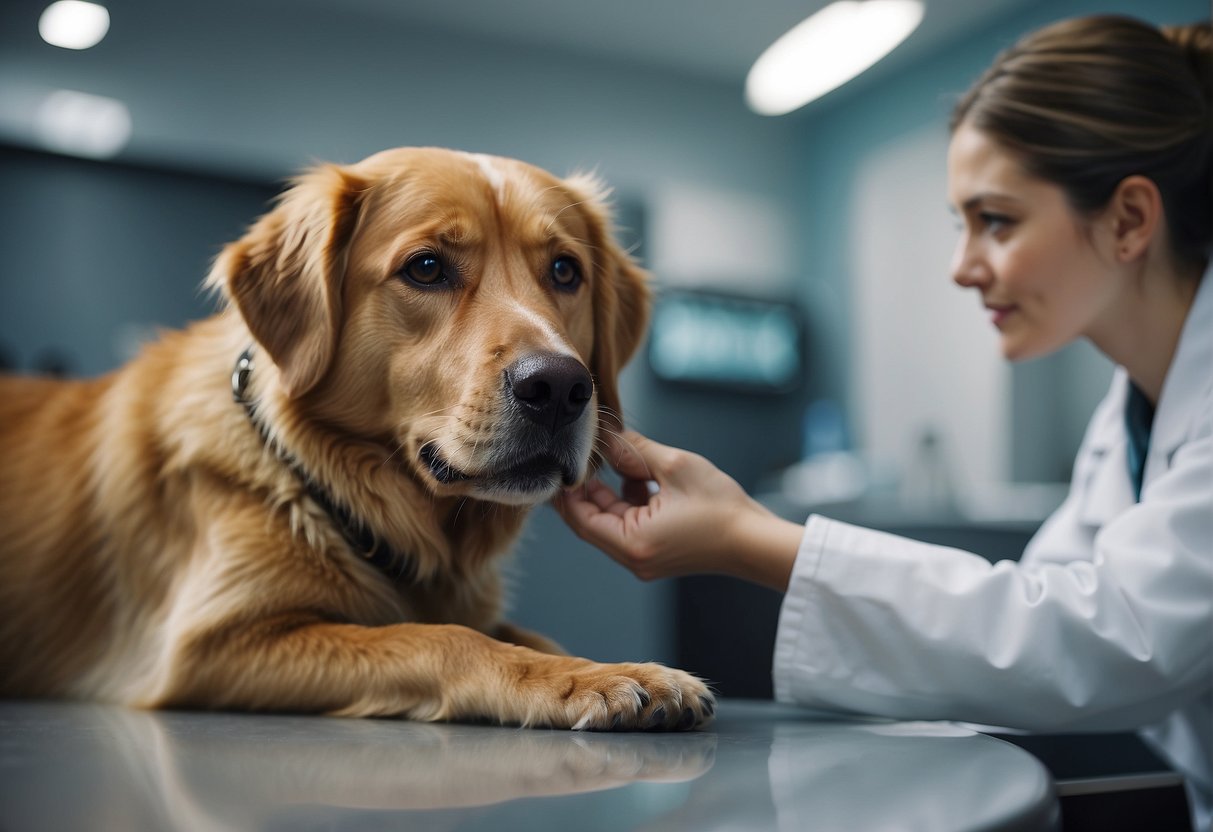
(604, 498)
(635, 492)
(637, 457)
(595, 514)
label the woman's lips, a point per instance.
(999, 314)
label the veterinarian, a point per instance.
(1079, 165)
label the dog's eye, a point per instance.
(566, 273)
(425, 270)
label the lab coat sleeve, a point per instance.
(878, 624)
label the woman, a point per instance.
(1080, 167)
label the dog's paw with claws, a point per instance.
(587, 696)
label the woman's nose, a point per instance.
(969, 270)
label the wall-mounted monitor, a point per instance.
(728, 342)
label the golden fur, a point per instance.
(156, 551)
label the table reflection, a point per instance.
(129, 769)
(760, 766)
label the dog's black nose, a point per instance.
(552, 389)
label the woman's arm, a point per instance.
(1117, 637)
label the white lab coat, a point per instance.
(1105, 624)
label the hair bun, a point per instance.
(1195, 41)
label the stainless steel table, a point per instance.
(760, 766)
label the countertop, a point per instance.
(69, 766)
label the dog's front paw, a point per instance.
(583, 695)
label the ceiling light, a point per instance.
(826, 50)
(73, 24)
(83, 125)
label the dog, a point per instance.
(300, 504)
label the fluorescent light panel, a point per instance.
(73, 24)
(81, 124)
(826, 50)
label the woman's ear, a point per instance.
(1136, 213)
(285, 275)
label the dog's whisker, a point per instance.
(438, 411)
(536, 203)
(548, 230)
(458, 509)
(625, 441)
(390, 456)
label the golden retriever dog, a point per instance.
(300, 503)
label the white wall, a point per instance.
(734, 240)
(926, 358)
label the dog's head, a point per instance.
(470, 313)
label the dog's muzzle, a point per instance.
(543, 438)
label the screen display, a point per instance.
(725, 341)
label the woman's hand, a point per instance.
(699, 520)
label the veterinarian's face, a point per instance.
(1024, 248)
(470, 323)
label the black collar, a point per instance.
(356, 533)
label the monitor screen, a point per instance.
(728, 342)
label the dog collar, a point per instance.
(356, 533)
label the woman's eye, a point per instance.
(566, 273)
(425, 270)
(994, 222)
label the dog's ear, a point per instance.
(285, 275)
(621, 300)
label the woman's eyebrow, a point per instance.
(986, 196)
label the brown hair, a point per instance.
(1086, 102)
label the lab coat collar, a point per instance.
(1187, 383)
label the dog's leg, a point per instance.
(513, 634)
(266, 622)
(425, 672)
